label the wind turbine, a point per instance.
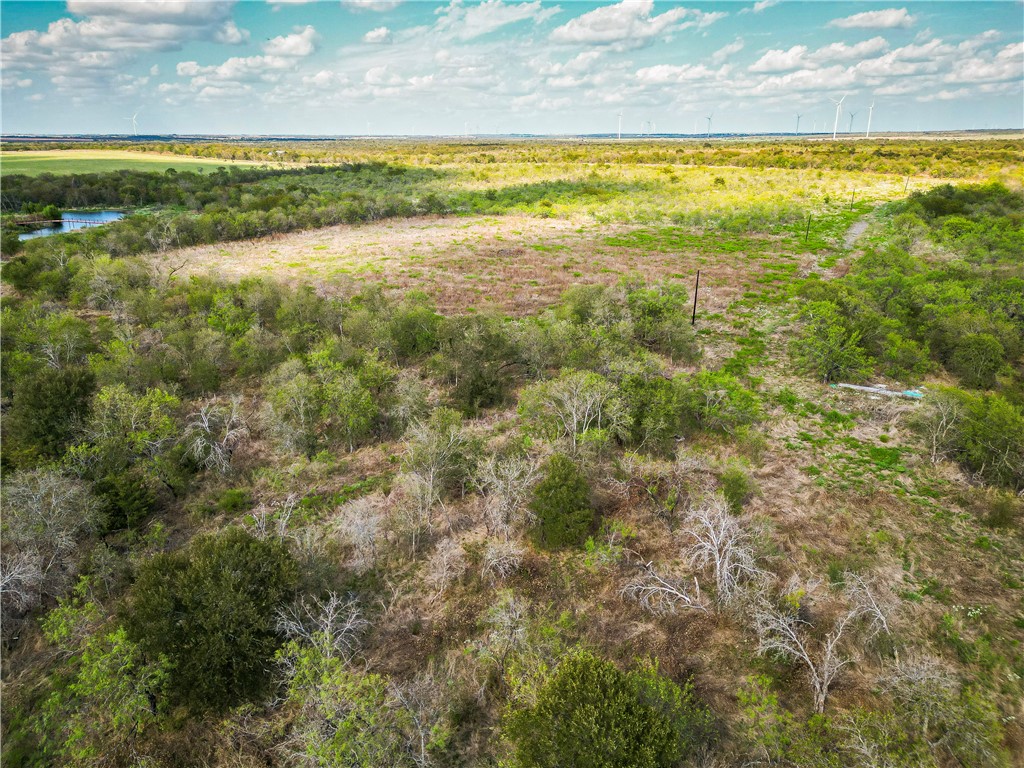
(839, 110)
(852, 115)
(620, 124)
(708, 118)
(135, 125)
(798, 124)
(867, 133)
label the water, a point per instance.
(82, 219)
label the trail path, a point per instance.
(856, 230)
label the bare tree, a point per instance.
(506, 622)
(507, 481)
(21, 574)
(446, 565)
(422, 700)
(48, 512)
(332, 626)
(942, 423)
(569, 406)
(501, 559)
(721, 544)
(214, 432)
(871, 603)
(783, 631)
(434, 460)
(663, 594)
(361, 523)
(272, 520)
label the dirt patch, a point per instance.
(515, 264)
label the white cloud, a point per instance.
(301, 43)
(468, 22)
(178, 12)
(763, 5)
(378, 35)
(230, 34)
(325, 79)
(665, 74)
(154, 70)
(630, 23)
(844, 52)
(890, 18)
(779, 60)
(371, 5)
(723, 53)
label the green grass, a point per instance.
(63, 162)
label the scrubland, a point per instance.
(414, 455)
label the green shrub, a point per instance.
(48, 405)
(210, 609)
(589, 714)
(828, 347)
(561, 504)
(716, 402)
(234, 500)
(977, 357)
(653, 410)
(127, 498)
(737, 486)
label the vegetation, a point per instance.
(545, 514)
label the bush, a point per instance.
(737, 487)
(210, 609)
(48, 405)
(127, 499)
(977, 357)
(561, 503)
(828, 347)
(716, 402)
(589, 714)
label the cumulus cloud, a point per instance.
(665, 74)
(378, 35)
(371, 5)
(890, 18)
(301, 43)
(630, 22)
(779, 60)
(844, 52)
(86, 54)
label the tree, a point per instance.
(717, 402)
(721, 544)
(977, 357)
(210, 609)
(828, 347)
(561, 504)
(507, 480)
(48, 407)
(568, 407)
(214, 432)
(437, 459)
(589, 714)
(47, 512)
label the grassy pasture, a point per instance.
(68, 161)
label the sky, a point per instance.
(380, 67)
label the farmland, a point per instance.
(451, 410)
(72, 161)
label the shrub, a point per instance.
(717, 402)
(210, 609)
(589, 714)
(653, 410)
(737, 487)
(828, 347)
(977, 357)
(127, 499)
(561, 504)
(47, 407)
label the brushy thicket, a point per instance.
(253, 524)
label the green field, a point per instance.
(34, 163)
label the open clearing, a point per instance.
(517, 264)
(67, 161)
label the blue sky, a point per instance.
(501, 66)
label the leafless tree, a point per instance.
(21, 574)
(720, 544)
(333, 626)
(942, 423)
(572, 404)
(502, 557)
(925, 688)
(433, 462)
(507, 481)
(874, 605)
(506, 630)
(272, 520)
(663, 594)
(47, 511)
(783, 631)
(422, 700)
(361, 522)
(446, 565)
(214, 432)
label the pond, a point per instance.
(72, 220)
